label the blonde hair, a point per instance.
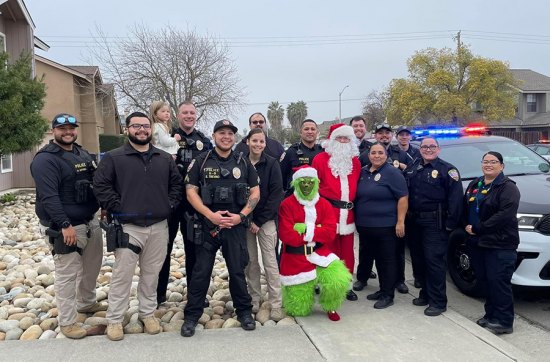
(154, 108)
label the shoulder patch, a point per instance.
(454, 174)
(282, 157)
(190, 165)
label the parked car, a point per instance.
(542, 148)
(531, 173)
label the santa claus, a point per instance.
(307, 226)
(339, 169)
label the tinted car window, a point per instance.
(466, 157)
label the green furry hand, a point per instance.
(300, 227)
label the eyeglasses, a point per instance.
(490, 162)
(64, 119)
(430, 147)
(258, 122)
(138, 126)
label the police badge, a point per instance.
(237, 172)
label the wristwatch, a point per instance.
(65, 224)
(243, 217)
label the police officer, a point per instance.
(273, 147)
(403, 135)
(383, 134)
(359, 126)
(223, 188)
(192, 143)
(435, 195)
(65, 205)
(301, 153)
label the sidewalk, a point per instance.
(398, 333)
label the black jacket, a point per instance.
(141, 189)
(498, 226)
(271, 190)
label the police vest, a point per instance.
(190, 146)
(305, 157)
(224, 183)
(77, 189)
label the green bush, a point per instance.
(110, 142)
(7, 198)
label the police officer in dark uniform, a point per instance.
(65, 204)
(193, 142)
(301, 153)
(273, 147)
(403, 135)
(359, 126)
(435, 195)
(222, 186)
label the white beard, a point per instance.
(341, 155)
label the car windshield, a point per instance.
(518, 159)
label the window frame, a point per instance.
(530, 105)
(2, 158)
(3, 36)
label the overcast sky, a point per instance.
(310, 50)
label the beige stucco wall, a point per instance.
(60, 95)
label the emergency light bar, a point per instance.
(444, 131)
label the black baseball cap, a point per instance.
(403, 129)
(225, 123)
(383, 126)
(64, 119)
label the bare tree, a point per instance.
(172, 65)
(373, 109)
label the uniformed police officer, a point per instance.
(273, 147)
(403, 135)
(192, 143)
(359, 126)
(223, 188)
(435, 194)
(384, 135)
(301, 153)
(65, 205)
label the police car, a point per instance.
(464, 148)
(542, 147)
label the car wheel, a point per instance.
(461, 268)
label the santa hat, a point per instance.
(304, 171)
(340, 130)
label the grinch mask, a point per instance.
(306, 187)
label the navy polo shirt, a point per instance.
(377, 196)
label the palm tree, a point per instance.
(275, 115)
(296, 113)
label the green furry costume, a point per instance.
(307, 226)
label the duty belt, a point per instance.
(304, 249)
(341, 204)
(50, 224)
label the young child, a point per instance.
(159, 113)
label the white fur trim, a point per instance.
(344, 186)
(323, 261)
(310, 227)
(298, 278)
(305, 172)
(343, 131)
(346, 229)
(306, 202)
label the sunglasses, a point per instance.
(258, 122)
(63, 120)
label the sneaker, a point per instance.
(255, 307)
(73, 331)
(188, 329)
(96, 307)
(383, 302)
(247, 322)
(151, 325)
(115, 331)
(277, 314)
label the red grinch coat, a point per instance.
(343, 188)
(320, 228)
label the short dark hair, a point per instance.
(498, 155)
(254, 131)
(429, 138)
(308, 120)
(357, 118)
(253, 114)
(136, 114)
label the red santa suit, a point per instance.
(342, 188)
(320, 231)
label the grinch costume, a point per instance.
(307, 226)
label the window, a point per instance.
(531, 102)
(2, 42)
(6, 164)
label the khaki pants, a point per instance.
(267, 238)
(153, 241)
(76, 275)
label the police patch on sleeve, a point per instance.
(454, 174)
(190, 165)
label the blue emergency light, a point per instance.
(451, 132)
